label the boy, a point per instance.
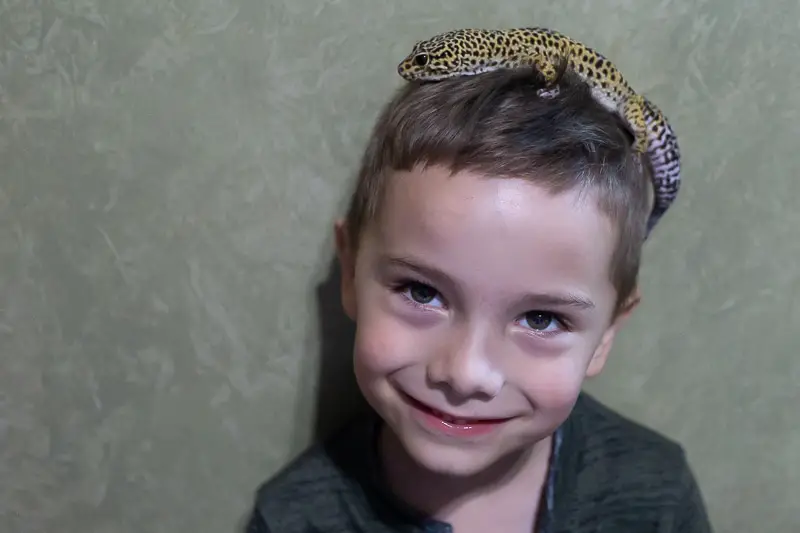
(489, 257)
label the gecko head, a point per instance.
(454, 53)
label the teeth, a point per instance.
(451, 420)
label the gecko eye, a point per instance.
(421, 60)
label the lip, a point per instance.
(450, 424)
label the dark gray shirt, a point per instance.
(609, 474)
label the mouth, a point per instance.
(450, 420)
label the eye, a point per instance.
(421, 60)
(540, 320)
(421, 293)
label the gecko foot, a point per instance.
(548, 93)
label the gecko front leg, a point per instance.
(549, 69)
(543, 66)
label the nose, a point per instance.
(463, 367)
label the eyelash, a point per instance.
(405, 285)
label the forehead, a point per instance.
(481, 228)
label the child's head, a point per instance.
(489, 255)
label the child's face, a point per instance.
(485, 299)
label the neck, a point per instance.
(517, 477)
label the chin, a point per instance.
(449, 460)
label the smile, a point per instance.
(451, 424)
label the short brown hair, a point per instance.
(497, 125)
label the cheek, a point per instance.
(551, 383)
(383, 343)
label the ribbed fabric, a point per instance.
(611, 475)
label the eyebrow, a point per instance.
(560, 300)
(545, 299)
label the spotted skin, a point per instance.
(467, 52)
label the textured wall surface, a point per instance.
(170, 172)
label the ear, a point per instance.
(603, 350)
(347, 268)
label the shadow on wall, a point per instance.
(338, 397)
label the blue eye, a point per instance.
(539, 320)
(421, 293)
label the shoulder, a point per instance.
(307, 484)
(625, 452)
(632, 472)
(314, 491)
(619, 437)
